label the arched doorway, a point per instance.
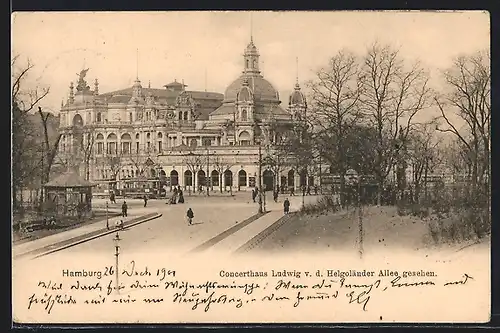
(291, 178)
(242, 178)
(303, 177)
(268, 180)
(174, 178)
(188, 178)
(228, 178)
(202, 178)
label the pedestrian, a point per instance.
(145, 200)
(286, 206)
(275, 195)
(308, 190)
(292, 190)
(181, 196)
(112, 197)
(124, 209)
(119, 224)
(190, 216)
(253, 195)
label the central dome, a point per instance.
(261, 88)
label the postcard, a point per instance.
(251, 167)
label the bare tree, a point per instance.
(194, 163)
(26, 156)
(114, 164)
(466, 111)
(50, 148)
(392, 95)
(221, 165)
(335, 95)
(424, 155)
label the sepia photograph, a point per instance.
(251, 167)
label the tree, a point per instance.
(26, 157)
(424, 156)
(392, 95)
(194, 164)
(114, 164)
(50, 148)
(467, 102)
(335, 99)
(221, 165)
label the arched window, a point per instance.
(77, 120)
(186, 115)
(268, 180)
(207, 142)
(188, 178)
(244, 115)
(148, 136)
(126, 144)
(244, 138)
(291, 178)
(303, 177)
(242, 178)
(254, 63)
(193, 143)
(100, 143)
(201, 178)
(248, 63)
(215, 178)
(174, 178)
(111, 148)
(98, 117)
(228, 178)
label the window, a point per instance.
(244, 115)
(137, 147)
(130, 117)
(111, 149)
(126, 148)
(207, 142)
(99, 119)
(160, 148)
(148, 146)
(100, 148)
(188, 178)
(242, 178)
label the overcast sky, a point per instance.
(186, 45)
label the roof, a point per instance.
(261, 111)
(69, 179)
(261, 88)
(169, 95)
(297, 97)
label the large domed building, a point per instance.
(145, 140)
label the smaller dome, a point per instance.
(137, 83)
(297, 97)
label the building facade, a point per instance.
(144, 139)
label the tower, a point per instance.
(297, 104)
(71, 98)
(251, 59)
(96, 87)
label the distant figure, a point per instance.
(124, 209)
(286, 206)
(119, 224)
(181, 196)
(275, 195)
(145, 200)
(190, 216)
(254, 194)
(304, 190)
(112, 197)
(292, 190)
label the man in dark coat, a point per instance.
(254, 194)
(145, 200)
(190, 216)
(124, 209)
(286, 206)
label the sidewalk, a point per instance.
(65, 238)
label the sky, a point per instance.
(205, 49)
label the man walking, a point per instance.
(124, 209)
(286, 206)
(253, 195)
(190, 216)
(145, 200)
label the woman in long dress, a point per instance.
(181, 196)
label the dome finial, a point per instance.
(297, 71)
(251, 28)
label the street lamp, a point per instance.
(117, 240)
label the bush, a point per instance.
(325, 204)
